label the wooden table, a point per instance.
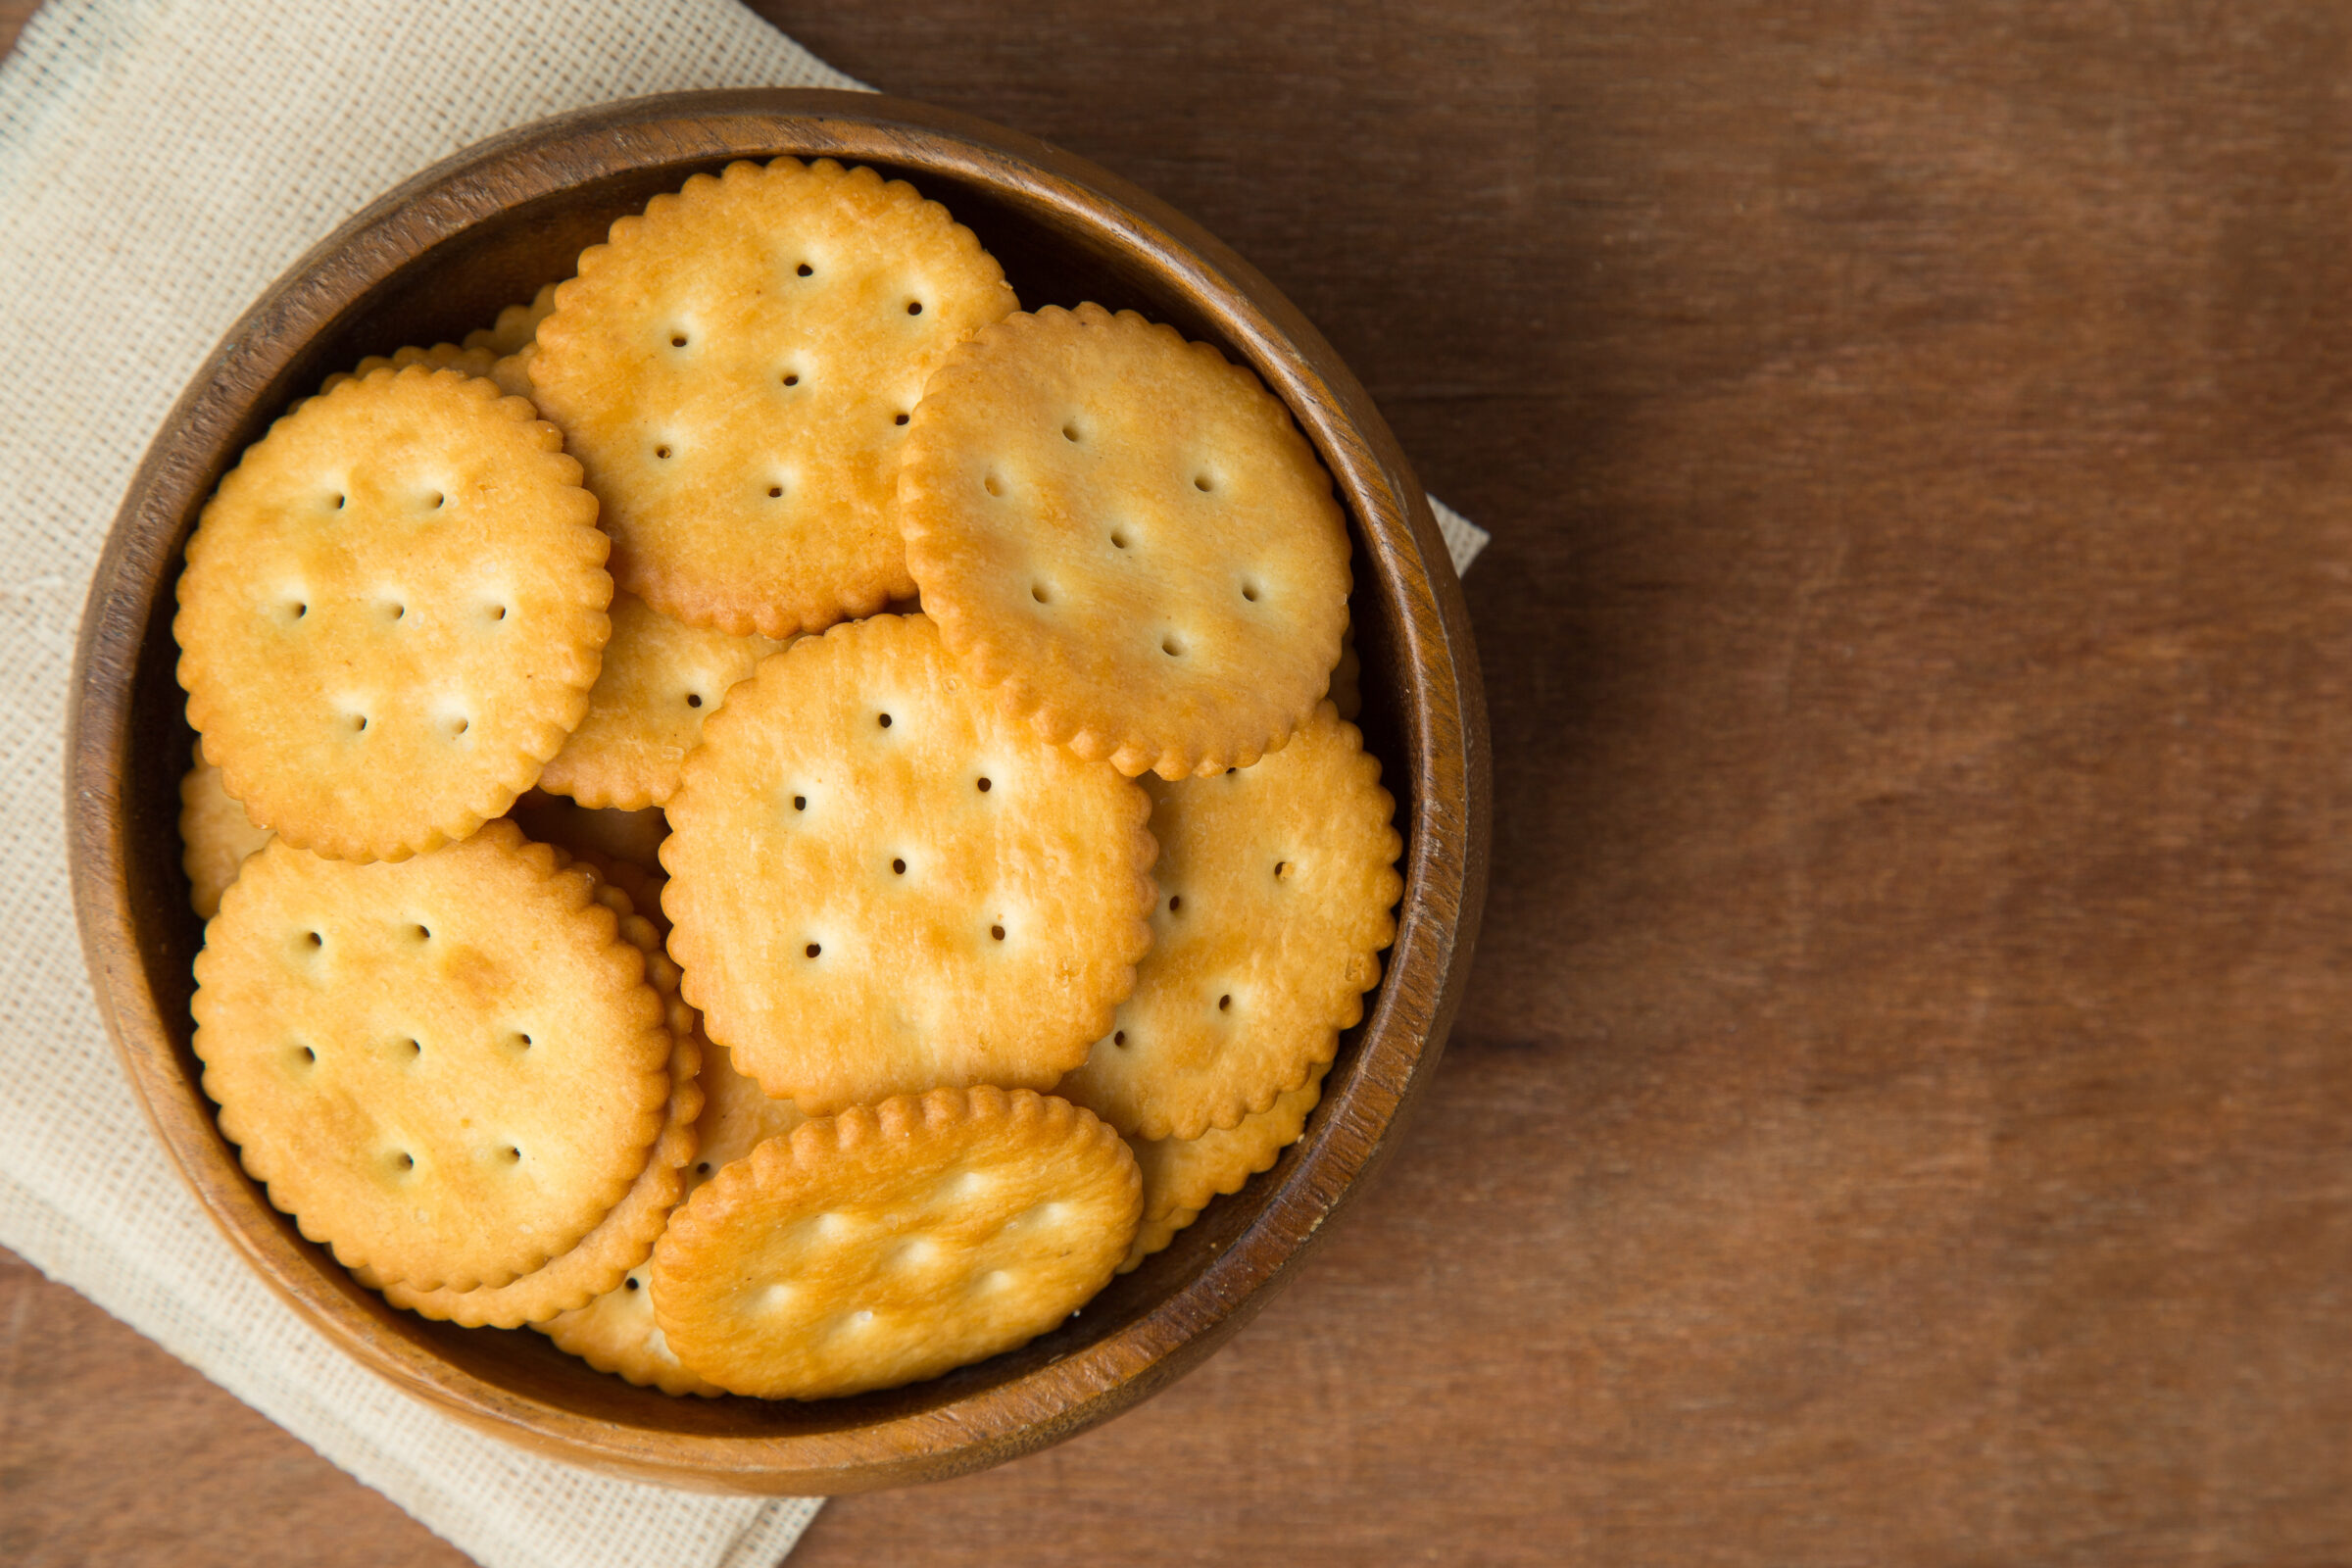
(1902, 1112)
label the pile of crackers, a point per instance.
(775, 815)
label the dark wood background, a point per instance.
(1904, 1110)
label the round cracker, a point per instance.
(1276, 887)
(881, 883)
(616, 1331)
(515, 326)
(735, 368)
(661, 678)
(392, 612)
(215, 835)
(1181, 1175)
(624, 1238)
(447, 1070)
(893, 1242)
(440, 357)
(1127, 539)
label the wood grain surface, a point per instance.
(1901, 1112)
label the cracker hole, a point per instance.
(1249, 591)
(339, 500)
(703, 1169)
(883, 720)
(423, 933)
(1282, 870)
(1201, 483)
(416, 1048)
(314, 941)
(901, 419)
(434, 502)
(308, 1055)
(1037, 590)
(694, 699)
(1069, 432)
(405, 1160)
(513, 1155)
(776, 492)
(1175, 903)
(1118, 539)
(359, 722)
(898, 867)
(678, 340)
(399, 611)
(792, 379)
(459, 726)
(1119, 1039)
(992, 485)
(915, 306)
(996, 931)
(522, 1042)
(660, 452)
(632, 1281)
(300, 611)
(1171, 646)
(498, 611)
(800, 803)
(806, 271)
(986, 785)
(1225, 1003)
(813, 949)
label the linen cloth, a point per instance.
(161, 161)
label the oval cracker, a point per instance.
(893, 1242)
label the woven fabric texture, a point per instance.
(161, 161)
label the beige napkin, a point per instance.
(161, 161)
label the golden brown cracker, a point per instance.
(448, 1069)
(1277, 884)
(624, 1238)
(738, 1117)
(516, 326)
(661, 678)
(881, 883)
(214, 836)
(512, 372)
(1126, 539)
(392, 613)
(440, 357)
(893, 1242)
(735, 368)
(1181, 1175)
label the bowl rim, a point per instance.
(1443, 741)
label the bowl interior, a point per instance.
(459, 283)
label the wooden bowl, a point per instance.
(440, 256)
